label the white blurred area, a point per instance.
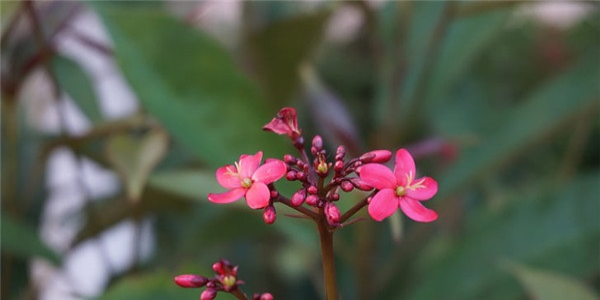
(88, 268)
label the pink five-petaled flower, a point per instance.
(248, 178)
(399, 189)
(285, 122)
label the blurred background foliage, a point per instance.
(500, 108)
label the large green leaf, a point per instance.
(548, 285)
(75, 82)
(281, 47)
(549, 109)
(22, 241)
(553, 227)
(189, 82)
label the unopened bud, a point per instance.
(334, 197)
(312, 200)
(269, 215)
(266, 296)
(224, 267)
(317, 143)
(312, 190)
(301, 176)
(376, 156)
(191, 281)
(340, 153)
(291, 175)
(298, 197)
(338, 166)
(332, 212)
(361, 185)
(208, 294)
(290, 160)
(346, 186)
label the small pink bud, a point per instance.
(334, 197)
(340, 153)
(219, 268)
(274, 194)
(298, 197)
(312, 190)
(290, 160)
(346, 186)
(332, 212)
(266, 296)
(291, 175)
(317, 143)
(301, 176)
(208, 294)
(312, 200)
(191, 281)
(376, 156)
(361, 185)
(338, 166)
(269, 215)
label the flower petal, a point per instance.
(416, 211)
(383, 204)
(258, 195)
(404, 167)
(228, 178)
(270, 172)
(249, 163)
(377, 176)
(227, 197)
(422, 188)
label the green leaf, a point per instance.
(553, 227)
(22, 241)
(76, 82)
(548, 285)
(191, 184)
(134, 158)
(159, 286)
(189, 83)
(281, 47)
(549, 109)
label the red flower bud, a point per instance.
(376, 156)
(191, 281)
(269, 215)
(338, 166)
(340, 153)
(361, 185)
(312, 190)
(312, 200)
(208, 294)
(266, 296)
(346, 186)
(298, 197)
(290, 160)
(317, 143)
(332, 213)
(291, 175)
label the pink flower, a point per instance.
(399, 189)
(285, 122)
(247, 178)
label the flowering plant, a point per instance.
(321, 183)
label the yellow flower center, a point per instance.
(400, 191)
(246, 182)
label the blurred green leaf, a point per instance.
(549, 109)
(77, 84)
(191, 184)
(23, 241)
(190, 83)
(155, 286)
(134, 158)
(547, 285)
(281, 47)
(553, 226)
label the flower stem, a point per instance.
(326, 236)
(239, 294)
(358, 206)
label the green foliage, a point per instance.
(23, 241)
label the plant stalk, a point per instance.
(326, 236)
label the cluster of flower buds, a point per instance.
(225, 280)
